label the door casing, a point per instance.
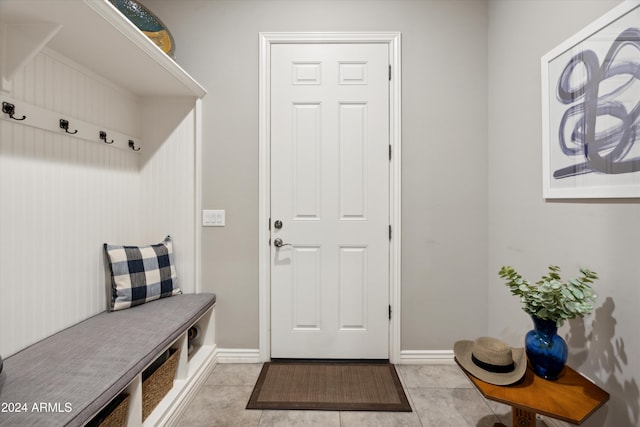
(393, 39)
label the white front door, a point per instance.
(329, 200)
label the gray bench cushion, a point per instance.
(80, 369)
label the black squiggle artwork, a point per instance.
(604, 151)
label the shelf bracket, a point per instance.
(19, 44)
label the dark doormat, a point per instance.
(331, 386)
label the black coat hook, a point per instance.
(103, 136)
(64, 124)
(132, 145)
(10, 109)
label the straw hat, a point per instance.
(491, 360)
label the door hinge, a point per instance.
(389, 311)
(389, 231)
(269, 223)
(389, 72)
(390, 151)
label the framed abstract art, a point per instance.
(591, 109)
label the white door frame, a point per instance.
(264, 253)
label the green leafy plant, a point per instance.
(550, 298)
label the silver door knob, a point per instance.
(278, 243)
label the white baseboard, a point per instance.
(407, 357)
(238, 355)
(426, 357)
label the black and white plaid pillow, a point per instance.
(140, 274)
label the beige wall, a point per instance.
(444, 163)
(529, 233)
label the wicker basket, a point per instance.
(158, 383)
(114, 415)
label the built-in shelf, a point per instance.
(102, 41)
(96, 35)
(190, 371)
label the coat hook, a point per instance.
(103, 136)
(64, 124)
(10, 109)
(132, 145)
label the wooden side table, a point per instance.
(572, 397)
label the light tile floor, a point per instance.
(440, 395)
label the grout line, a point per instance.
(413, 407)
(412, 394)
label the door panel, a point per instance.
(306, 161)
(330, 189)
(353, 160)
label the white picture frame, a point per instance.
(590, 109)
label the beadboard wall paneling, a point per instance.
(54, 82)
(168, 183)
(61, 198)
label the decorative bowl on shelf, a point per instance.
(148, 23)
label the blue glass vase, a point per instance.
(547, 351)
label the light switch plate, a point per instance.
(213, 218)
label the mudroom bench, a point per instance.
(70, 377)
